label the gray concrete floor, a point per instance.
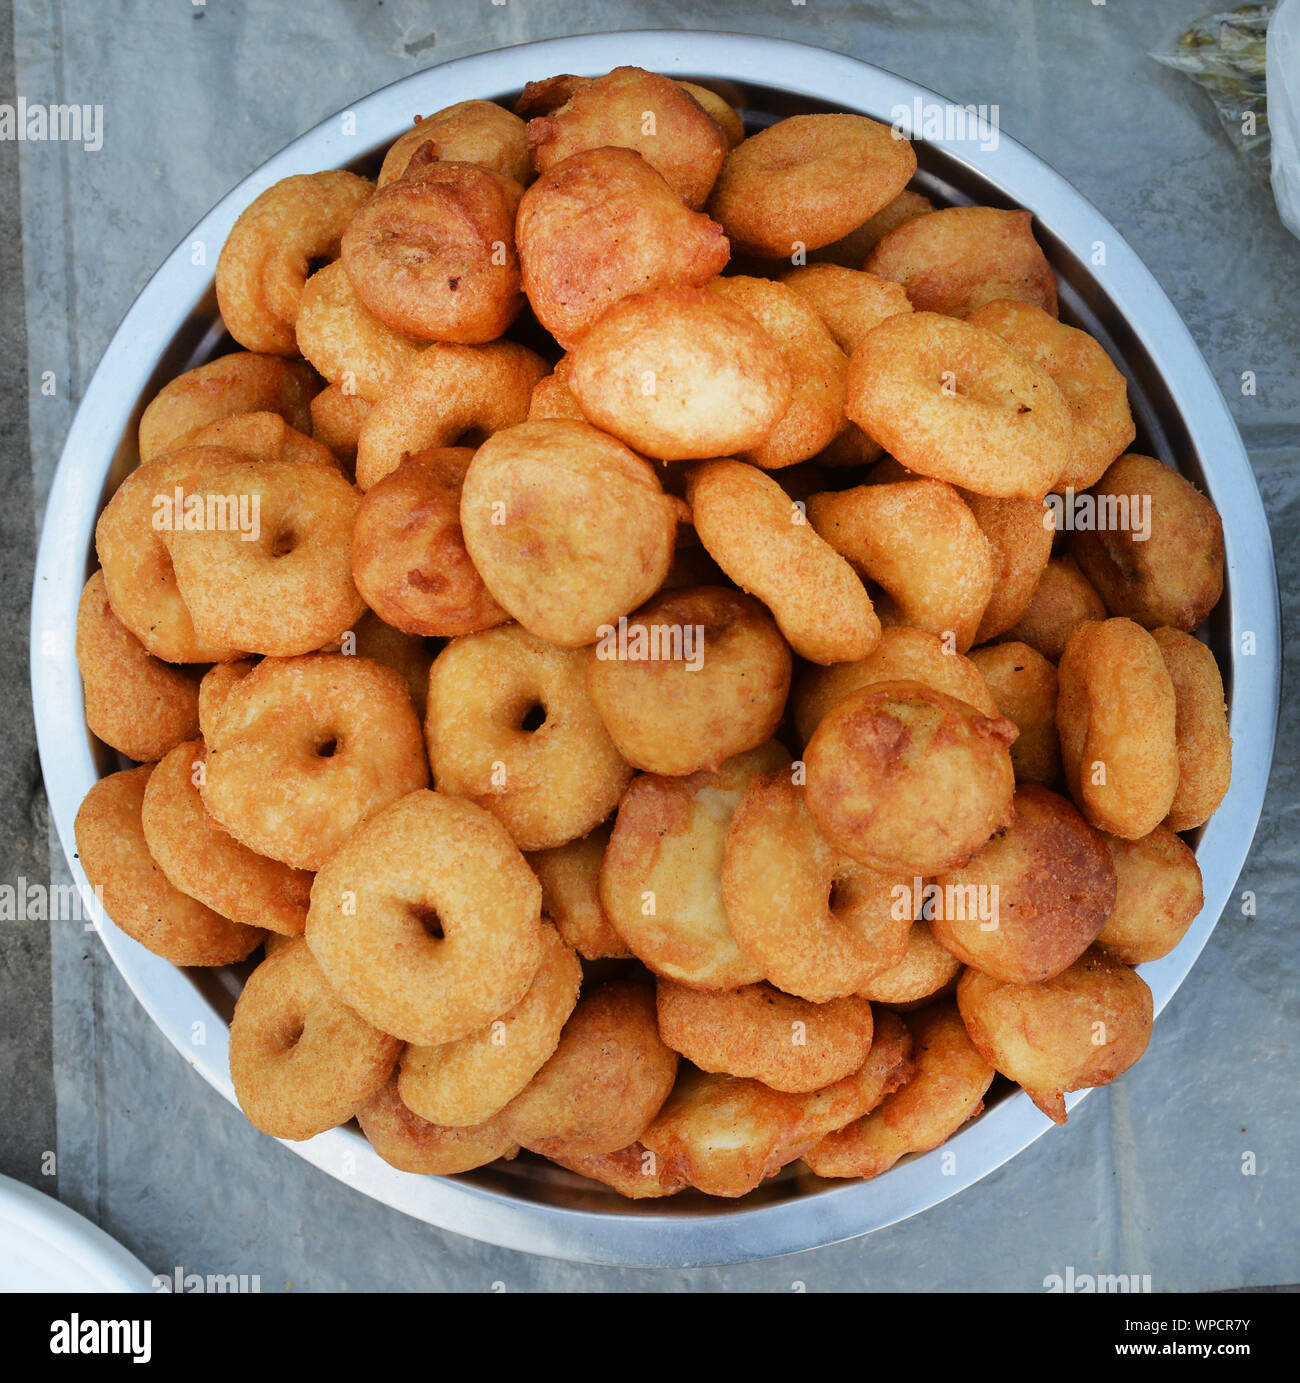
(1147, 1177)
(26, 1034)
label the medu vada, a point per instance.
(910, 655)
(263, 437)
(1063, 599)
(906, 779)
(945, 1090)
(1158, 896)
(412, 1144)
(432, 254)
(264, 263)
(681, 373)
(1052, 886)
(603, 224)
(814, 416)
(301, 1060)
(427, 920)
(926, 972)
(302, 749)
(1019, 533)
(606, 1080)
(634, 1171)
(759, 1031)
(570, 879)
(138, 572)
(808, 180)
(553, 398)
(725, 1135)
(448, 396)
(345, 343)
(370, 637)
(336, 418)
(569, 529)
(480, 132)
(278, 579)
(955, 260)
(847, 300)
(661, 877)
(1023, 685)
(136, 894)
(763, 541)
(214, 686)
(1093, 387)
(135, 703)
(816, 923)
(242, 382)
(957, 403)
(1200, 728)
(1083, 1027)
(921, 544)
(905, 207)
(466, 1082)
(511, 726)
(207, 863)
(1116, 714)
(630, 108)
(409, 561)
(696, 675)
(1165, 571)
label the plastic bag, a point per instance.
(1284, 111)
(1248, 61)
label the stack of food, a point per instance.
(660, 636)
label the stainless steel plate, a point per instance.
(1104, 288)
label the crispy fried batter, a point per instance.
(1084, 1027)
(1174, 574)
(762, 539)
(1033, 900)
(955, 260)
(946, 1089)
(808, 180)
(817, 923)
(760, 1032)
(725, 1135)
(702, 674)
(906, 779)
(921, 544)
(469, 1080)
(427, 920)
(661, 880)
(601, 225)
(606, 1081)
(1116, 716)
(630, 108)
(301, 1061)
(135, 702)
(136, 894)
(568, 528)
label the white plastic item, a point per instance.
(45, 1247)
(1282, 65)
